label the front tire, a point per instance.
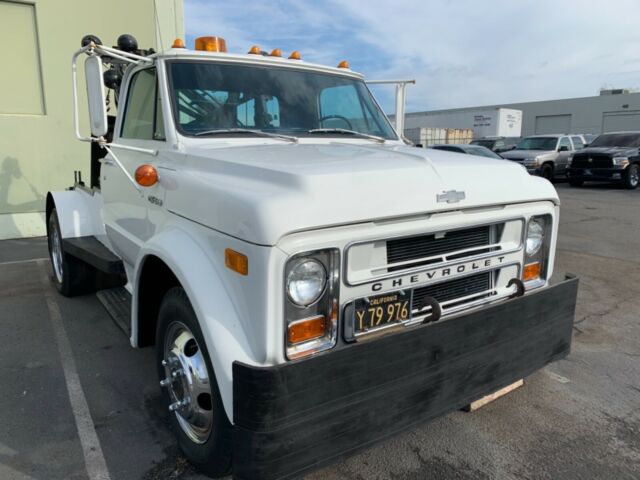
(71, 275)
(189, 387)
(547, 172)
(632, 177)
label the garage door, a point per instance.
(553, 124)
(620, 121)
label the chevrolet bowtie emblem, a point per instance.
(452, 196)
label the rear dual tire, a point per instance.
(71, 276)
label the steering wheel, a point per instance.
(339, 117)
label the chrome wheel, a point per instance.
(188, 383)
(55, 248)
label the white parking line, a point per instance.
(93, 457)
(18, 262)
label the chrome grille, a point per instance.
(452, 289)
(412, 248)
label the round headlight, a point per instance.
(306, 282)
(535, 237)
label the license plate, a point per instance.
(374, 312)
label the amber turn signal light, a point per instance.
(306, 330)
(178, 43)
(146, 175)
(531, 272)
(236, 261)
(211, 44)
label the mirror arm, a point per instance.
(103, 143)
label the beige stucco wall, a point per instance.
(38, 150)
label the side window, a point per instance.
(577, 143)
(498, 144)
(564, 142)
(143, 115)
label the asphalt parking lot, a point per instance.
(67, 372)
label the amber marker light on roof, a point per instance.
(211, 44)
(146, 175)
(343, 64)
(255, 50)
(295, 55)
(276, 52)
(236, 261)
(178, 43)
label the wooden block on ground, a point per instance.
(473, 406)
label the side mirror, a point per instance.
(95, 96)
(563, 148)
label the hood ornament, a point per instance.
(451, 196)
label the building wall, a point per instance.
(573, 115)
(38, 149)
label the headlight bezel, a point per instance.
(541, 254)
(326, 305)
(620, 161)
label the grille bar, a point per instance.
(452, 289)
(597, 161)
(413, 248)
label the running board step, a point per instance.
(117, 302)
(90, 250)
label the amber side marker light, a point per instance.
(178, 43)
(304, 330)
(295, 55)
(531, 272)
(343, 64)
(276, 52)
(236, 261)
(255, 50)
(211, 44)
(146, 175)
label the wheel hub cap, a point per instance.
(188, 383)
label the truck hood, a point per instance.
(522, 154)
(261, 193)
(609, 151)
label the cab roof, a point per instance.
(253, 59)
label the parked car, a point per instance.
(544, 155)
(497, 144)
(468, 149)
(611, 157)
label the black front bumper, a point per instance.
(293, 418)
(596, 174)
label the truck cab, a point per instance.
(311, 282)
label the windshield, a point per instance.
(484, 143)
(483, 152)
(209, 96)
(617, 140)
(538, 143)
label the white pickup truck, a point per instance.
(311, 283)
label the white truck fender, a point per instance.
(79, 212)
(219, 320)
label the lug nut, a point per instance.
(164, 383)
(164, 363)
(177, 373)
(178, 405)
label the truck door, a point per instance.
(564, 150)
(128, 213)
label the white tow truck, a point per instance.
(312, 283)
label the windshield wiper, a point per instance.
(344, 131)
(248, 131)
